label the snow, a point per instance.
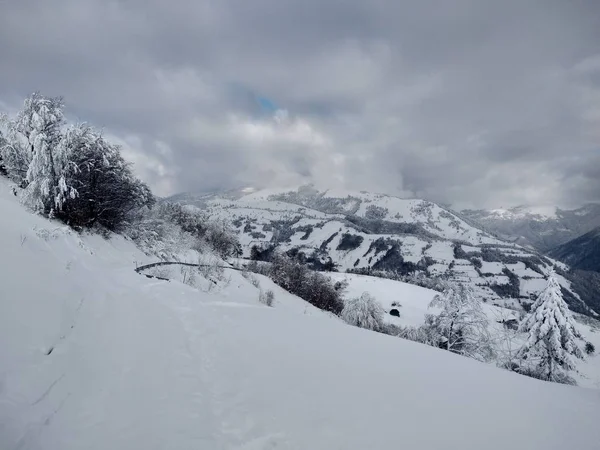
(139, 363)
(414, 299)
(544, 212)
(491, 267)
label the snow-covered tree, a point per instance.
(363, 312)
(37, 132)
(13, 152)
(3, 170)
(106, 188)
(551, 342)
(461, 325)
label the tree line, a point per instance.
(72, 173)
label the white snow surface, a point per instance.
(140, 363)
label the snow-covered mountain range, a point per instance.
(362, 231)
(542, 228)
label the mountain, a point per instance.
(542, 228)
(94, 356)
(581, 253)
(365, 232)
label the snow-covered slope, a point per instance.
(412, 303)
(365, 231)
(95, 356)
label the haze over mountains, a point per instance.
(540, 228)
(581, 253)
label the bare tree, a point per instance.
(462, 325)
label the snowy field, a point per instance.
(95, 356)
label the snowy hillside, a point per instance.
(95, 356)
(412, 304)
(365, 231)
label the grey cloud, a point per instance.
(477, 103)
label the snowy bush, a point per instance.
(211, 268)
(188, 275)
(160, 272)
(222, 239)
(590, 348)
(212, 235)
(314, 287)
(390, 329)
(267, 297)
(551, 336)
(363, 312)
(156, 235)
(251, 278)
(423, 335)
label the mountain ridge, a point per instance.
(527, 227)
(581, 253)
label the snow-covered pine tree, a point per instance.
(551, 343)
(363, 312)
(462, 325)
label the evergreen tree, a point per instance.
(551, 342)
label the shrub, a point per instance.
(251, 278)
(590, 348)
(266, 298)
(558, 377)
(211, 269)
(423, 335)
(390, 329)
(364, 312)
(315, 288)
(188, 275)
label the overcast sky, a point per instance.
(470, 102)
